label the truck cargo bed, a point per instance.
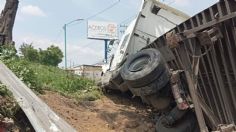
(216, 80)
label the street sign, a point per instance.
(102, 30)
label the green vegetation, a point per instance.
(8, 105)
(29, 53)
(41, 77)
(51, 56)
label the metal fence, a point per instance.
(217, 63)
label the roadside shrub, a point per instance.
(25, 73)
(7, 52)
(52, 56)
(29, 53)
(20, 67)
(9, 106)
(4, 92)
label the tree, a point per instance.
(29, 53)
(7, 19)
(52, 56)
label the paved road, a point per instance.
(42, 118)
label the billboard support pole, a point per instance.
(106, 48)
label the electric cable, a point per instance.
(100, 12)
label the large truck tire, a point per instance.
(143, 68)
(187, 124)
(157, 84)
(154, 87)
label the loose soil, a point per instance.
(112, 113)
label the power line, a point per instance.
(100, 12)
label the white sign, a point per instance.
(102, 30)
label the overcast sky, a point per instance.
(40, 22)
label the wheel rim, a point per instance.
(139, 64)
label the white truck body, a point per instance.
(153, 20)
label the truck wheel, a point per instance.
(157, 85)
(143, 68)
(187, 124)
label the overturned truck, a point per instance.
(187, 73)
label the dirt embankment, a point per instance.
(112, 113)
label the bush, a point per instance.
(25, 73)
(52, 56)
(29, 53)
(7, 52)
(9, 106)
(19, 67)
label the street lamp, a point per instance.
(64, 27)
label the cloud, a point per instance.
(32, 11)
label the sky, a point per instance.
(40, 22)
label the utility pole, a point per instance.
(65, 39)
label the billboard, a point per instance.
(102, 30)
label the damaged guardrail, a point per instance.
(42, 118)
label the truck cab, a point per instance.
(153, 20)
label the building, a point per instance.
(92, 72)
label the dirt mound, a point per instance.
(111, 113)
